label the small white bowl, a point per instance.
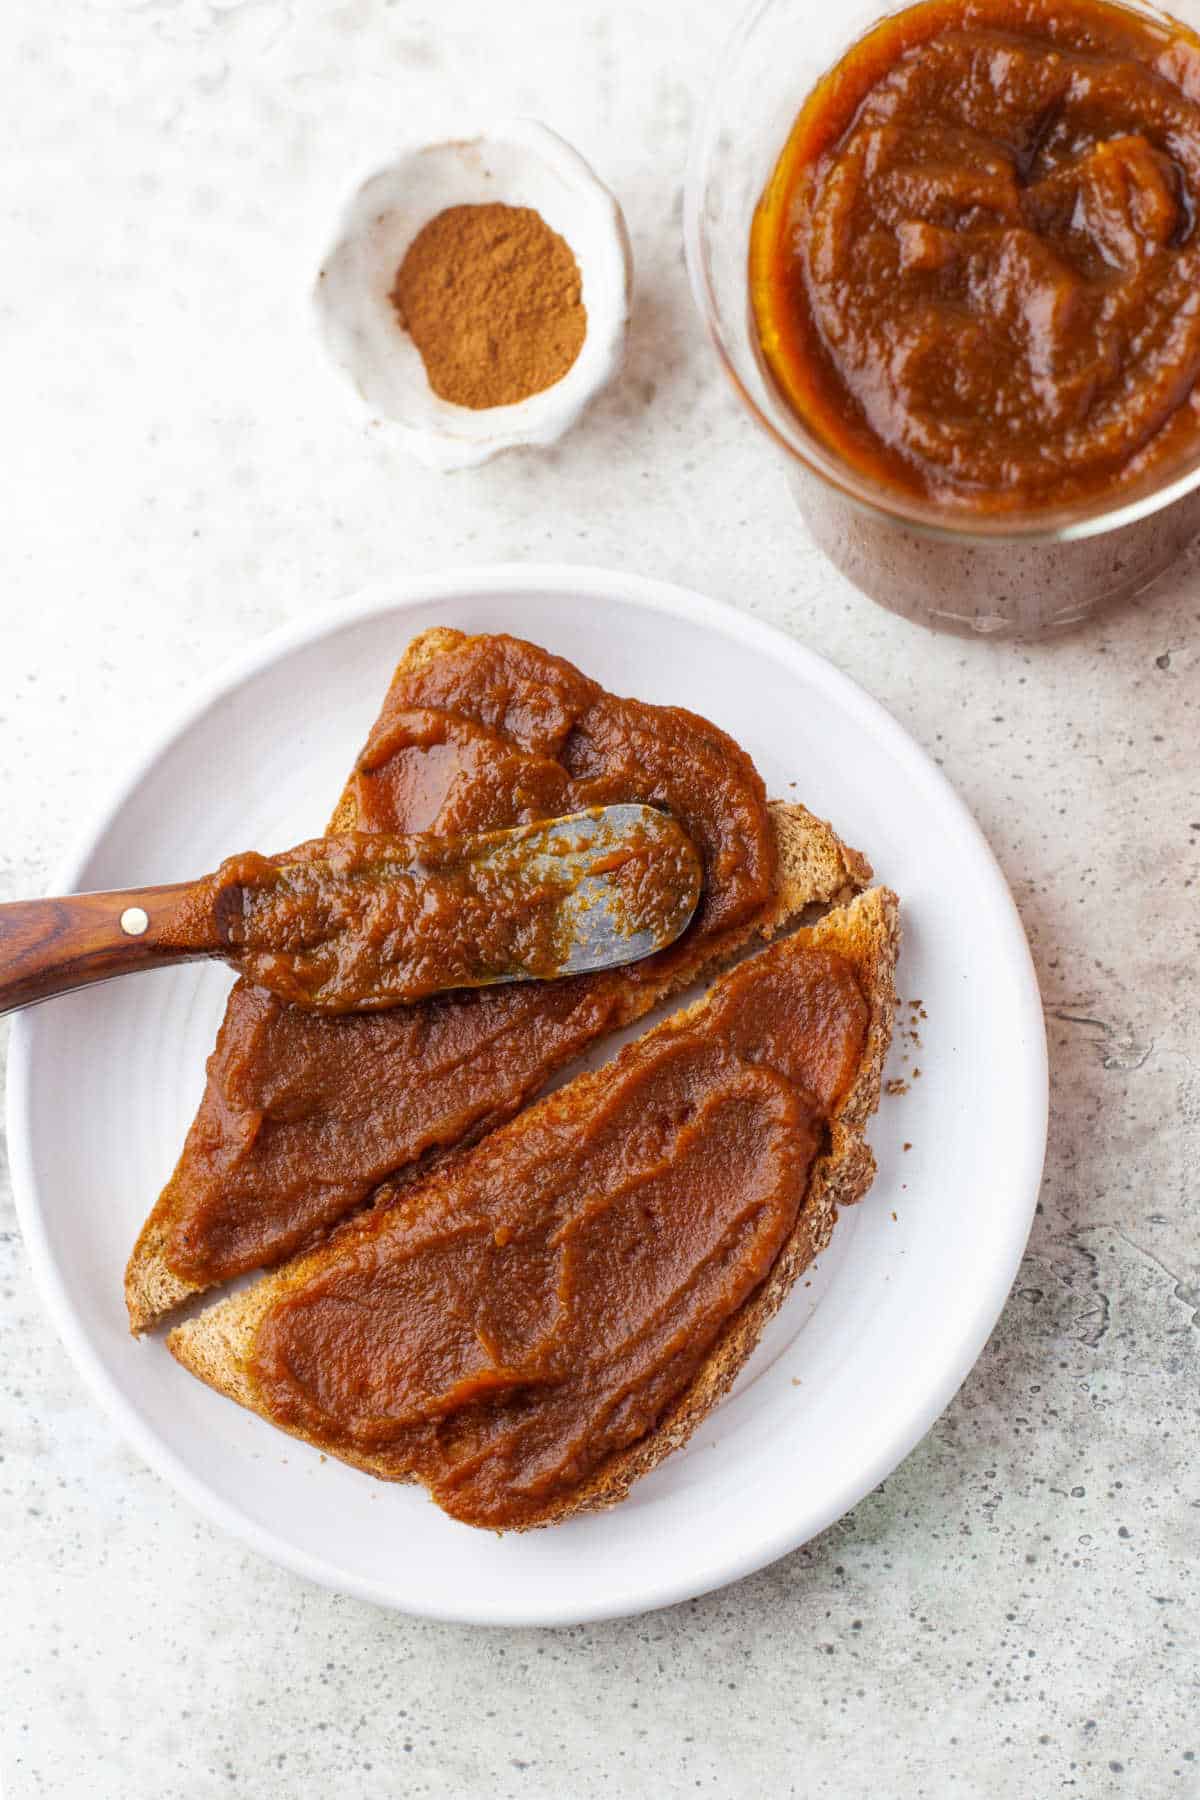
(520, 163)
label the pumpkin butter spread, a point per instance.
(363, 922)
(303, 1116)
(502, 1330)
(976, 268)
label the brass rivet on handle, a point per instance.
(134, 920)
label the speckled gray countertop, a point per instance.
(1014, 1613)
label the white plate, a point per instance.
(857, 1365)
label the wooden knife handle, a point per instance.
(49, 947)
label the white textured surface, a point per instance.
(1014, 1614)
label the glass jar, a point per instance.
(1020, 575)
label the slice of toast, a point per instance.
(813, 867)
(217, 1345)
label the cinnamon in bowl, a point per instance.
(493, 300)
(478, 293)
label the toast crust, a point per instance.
(216, 1345)
(814, 867)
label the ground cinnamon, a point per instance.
(492, 298)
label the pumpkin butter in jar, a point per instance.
(948, 261)
(975, 271)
